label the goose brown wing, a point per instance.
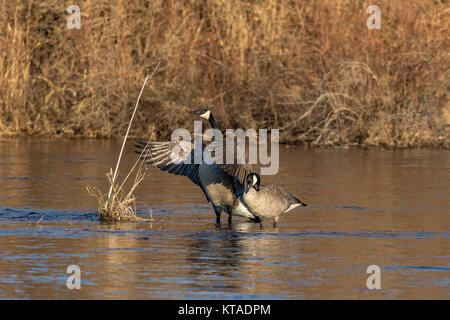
(235, 160)
(175, 157)
(278, 192)
(240, 171)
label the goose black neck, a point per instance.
(212, 121)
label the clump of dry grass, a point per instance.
(310, 67)
(120, 205)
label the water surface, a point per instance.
(366, 207)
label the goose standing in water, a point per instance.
(217, 182)
(267, 201)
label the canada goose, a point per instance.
(219, 187)
(267, 201)
(239, 171)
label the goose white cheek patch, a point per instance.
(206, 115)
(255, 180)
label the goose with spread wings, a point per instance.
(221, 183)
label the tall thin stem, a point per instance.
(128, 131)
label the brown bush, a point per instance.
(311, 68)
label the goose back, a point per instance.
(270, 201)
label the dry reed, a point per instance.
(310, 67)
(119, 205)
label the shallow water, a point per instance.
(366, 207)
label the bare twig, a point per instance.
(128, 130)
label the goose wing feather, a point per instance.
(236, 165)
(175, 157)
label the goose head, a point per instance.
(202, 112)
(253, 180)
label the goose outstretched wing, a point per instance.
(176, 157)
(234, 159)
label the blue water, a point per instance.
(366, 207)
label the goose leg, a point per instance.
(229, 210)
(217, 211)
(275, 223)
(260, 224)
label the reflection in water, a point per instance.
(215, 260)
(388, 208)
(119, 269)
(233, 259)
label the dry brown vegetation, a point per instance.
(118, 204)
(311, 68)
(121, 206)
